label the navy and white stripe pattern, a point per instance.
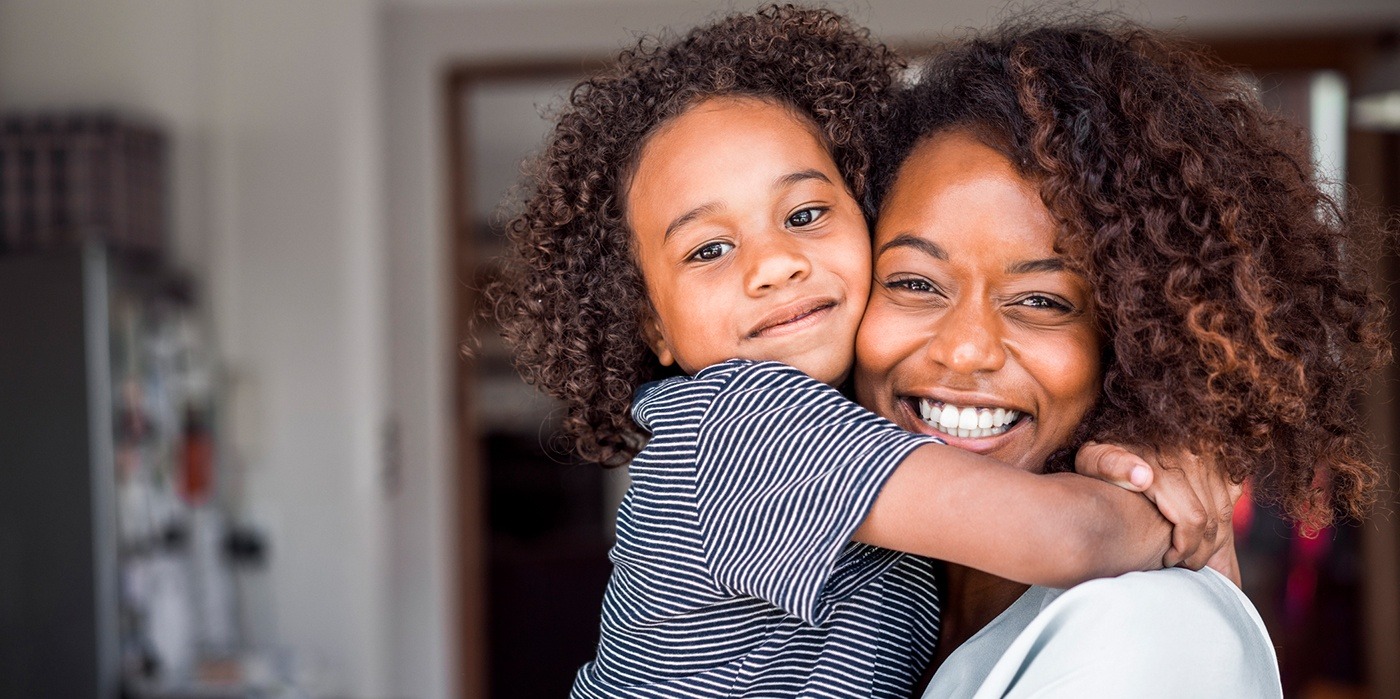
(734, 574)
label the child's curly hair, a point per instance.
(1238, 319)
(571, 298)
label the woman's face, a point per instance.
(976, 331)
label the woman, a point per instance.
(1097, 230)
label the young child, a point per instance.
(696, 211)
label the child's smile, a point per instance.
(749, 241)
(794, 318)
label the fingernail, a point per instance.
(1140, 476)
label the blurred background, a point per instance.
(241, 454)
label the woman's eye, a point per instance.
(805, 217)
(914, 284)
(711, 251)
(1041, 301)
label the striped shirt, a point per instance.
(734, 573)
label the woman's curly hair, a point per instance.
(571, 299)
(1238, 317)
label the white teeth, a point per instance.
(948, 418)
(967, 422)
(968, 419)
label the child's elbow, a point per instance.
(1081, 560)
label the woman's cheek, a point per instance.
(890, 342)
(875, 349)
(1067, 368)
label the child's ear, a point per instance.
(656, 340)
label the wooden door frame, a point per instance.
(457, 84)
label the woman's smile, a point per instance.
(966, 421)
(968, 425)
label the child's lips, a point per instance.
(793, 317)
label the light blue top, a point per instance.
(1167, 633)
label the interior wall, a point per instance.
(276, 205)
(142, 58)
(297, 277)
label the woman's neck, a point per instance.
(974, 598)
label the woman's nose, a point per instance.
(775, 262)
(968, 340)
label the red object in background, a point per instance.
(196, 461)
(1242, 518)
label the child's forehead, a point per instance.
(708, 125)
(719, 142)
(766, 108)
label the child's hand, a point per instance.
(1195, 497)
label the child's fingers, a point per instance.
(1236, 491)
(1194, 531)
(1113, 464)
(1218, 494)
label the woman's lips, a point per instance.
(966, 421)
(793, 317)
(930, 416)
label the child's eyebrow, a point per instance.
(689, 216)
(793, 178)
(787, 180)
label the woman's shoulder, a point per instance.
(1177, 589)
(1194, 625)
(1167, 633)
(1179, 604)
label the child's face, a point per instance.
(749, 242)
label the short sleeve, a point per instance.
(786, 470)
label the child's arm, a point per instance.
(1055, 530)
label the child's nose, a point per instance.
(775, 263)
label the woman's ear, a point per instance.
(656, 340)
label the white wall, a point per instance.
(277, 205)
(297, 273)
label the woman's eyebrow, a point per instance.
(1049, 264)
(908, 240)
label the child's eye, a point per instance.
(805, 217)
(711, 251)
